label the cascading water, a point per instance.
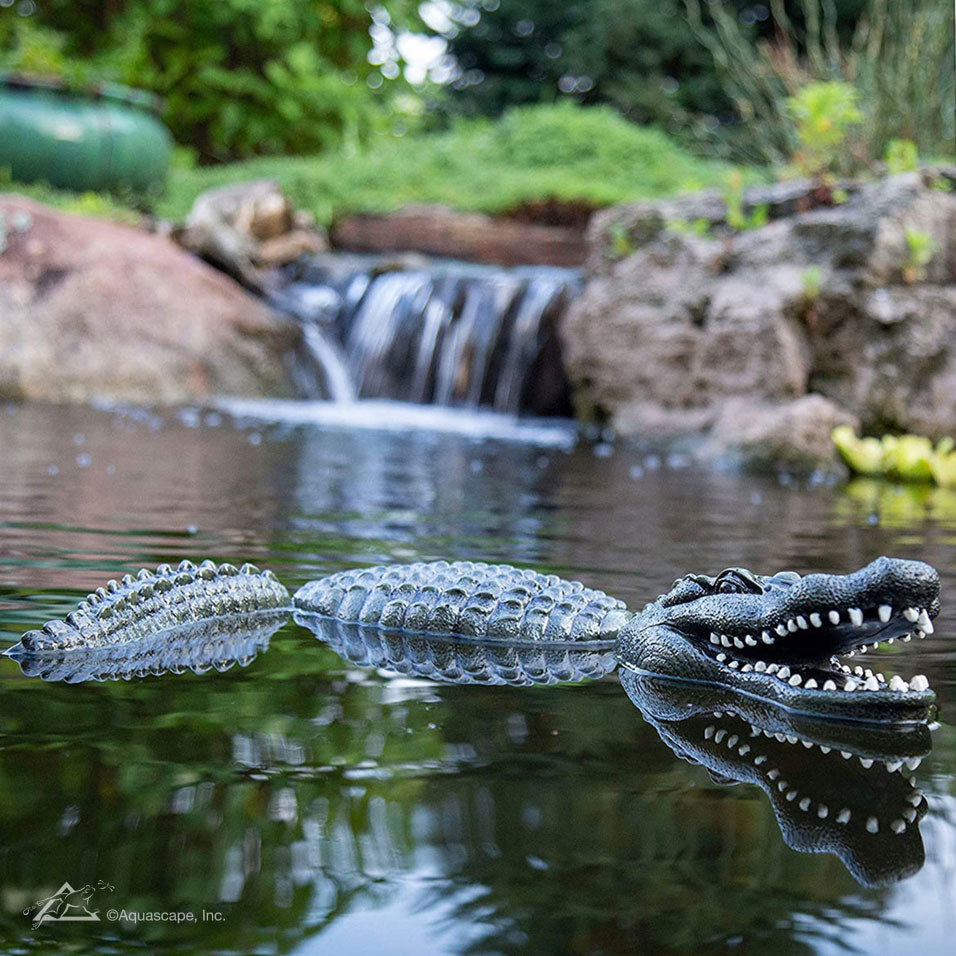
(437, 332)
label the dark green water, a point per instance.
(316, 806)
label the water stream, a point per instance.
(430, 332)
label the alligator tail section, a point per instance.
(155, 601)
(470, 599)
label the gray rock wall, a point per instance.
(678, 332)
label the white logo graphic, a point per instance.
(67, 904)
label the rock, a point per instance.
(92, 309)
(439, 231)
(244, 227)
(793, 435)
(674, 325)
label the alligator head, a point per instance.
(836, 786)
(781, 636)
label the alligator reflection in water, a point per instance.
(199, 646)
(835, 786)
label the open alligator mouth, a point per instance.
(794, 638)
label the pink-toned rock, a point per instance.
(439, 231)
(93, 309)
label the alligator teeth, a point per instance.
(709, 732)
(822, 811)
(719, 736)
(834, 617)
(906, 638)
(804, 804)
(911, 614)
(766, 638)
(732, 741)
(829, 685)
(850, 685)
(885, 612)
(871, 683)
(760, 666)
(738, 642)
(856, 616)
(897, 826)
(924, 622)
(843, 816)
(810, 684)
(781, 629)
(802, 622)
(773, 773)
(734, 663)
(795, 680)
(858, 670)
(762, 758)
(816, 620)
(873, 825)
(910, 814)
(747, 668)
(725, 640)
(792, 626)
(721, 657)
(784, 672)
(714, 639)
(897, 683)
(913, 762)
(893, 766)
(866, 762)
(919, 683)
(750, 641)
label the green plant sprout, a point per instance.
(920, 249)
(733, 196)
(901, 156)
(824, 113)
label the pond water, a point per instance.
(305, 803)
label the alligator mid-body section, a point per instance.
(494, 602)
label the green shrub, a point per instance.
(562, 151)
(824, 113)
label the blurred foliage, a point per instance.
(899, 57)
(901, 156)
(238, 78)
(900, 457)
(640, 56)
(733, 195)
(920, 249)
(561, 151)
(824, 113)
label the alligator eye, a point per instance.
(729, 587)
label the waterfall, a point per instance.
(436, 332)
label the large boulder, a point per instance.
(681, 318)
(93, 309)
(247, 228)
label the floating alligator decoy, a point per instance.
(779, 637)
(741, 673)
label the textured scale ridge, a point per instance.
(153, 601)
(470, 599)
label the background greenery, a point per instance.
(592, 100)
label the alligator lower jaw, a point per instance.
(805, 651)
(823, 689)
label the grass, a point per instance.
(532, 153)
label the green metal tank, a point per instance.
(103, 138)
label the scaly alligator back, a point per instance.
(155, 601)
(472, 599)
